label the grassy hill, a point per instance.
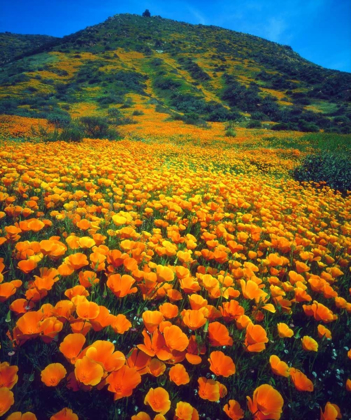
(194, 73)
(13, 46)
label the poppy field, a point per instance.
(171, 278)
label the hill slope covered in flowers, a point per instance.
(161, 279)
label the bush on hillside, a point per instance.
(333, 169)
(97, 128)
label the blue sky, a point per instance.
(319, 30)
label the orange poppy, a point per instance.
(320, 312)
(158, 400)
(255, 338)
(278, 367)
(233, 410)
(300, 380)
(102, 352)
(6, 400)
(88, 372)
(141, 416)
(119, 323)
(17, 415)
(175, 338)
(309, 344)
(219, 334)
(169, 310)
(27, 265)
(208, 389)
(231, 310)
(324, 332)
(221, 365)
(152, 320)
(64, 414)
(284, 330)
(164, 274)
(185, 411)
(194, 319)
(121, 285)
(71, 346)
(88, 310)
(155, 346)
(123, 381)
(156, 367)
(331, 412)
(53, 374)
(139, 360)
(8, 375)
(179, 375)
(266, 403)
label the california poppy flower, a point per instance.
(139, 360)
(158, 400)
(300, 380)
(119, 323)
(152, 320)
(185, 411)
(141, 416)
(53, 374)
(284, 330)
(194, 319)
(71, 346)
(265, 403)
(27, 265)
(179, 375)
(208, 389)
(8, 375)
(309, 344)
(64, 414)
(121, 285)
(88, 310)
(17, 415)
(88, 372)
(123, 381)
(219, 334)
(221, 365)
(103, 352)
(175, 338)
(278, 367)
(233, 410)
(6, 400)
(324, 332)
(255, 338)
(331, 412)
(169, 310)
(156, 367)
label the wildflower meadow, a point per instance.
(171, 278)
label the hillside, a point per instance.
(15, 45)
(194, 73)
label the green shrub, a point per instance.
(97, 128)
(254, 124)
(331, 168)
(59, 119)
(229, 130)
(73, 133)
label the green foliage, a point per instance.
(333, 169)
(146, 13)
(230, 130)
(97, 128)
(254, 124)
(59, 119)
(117, 118)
